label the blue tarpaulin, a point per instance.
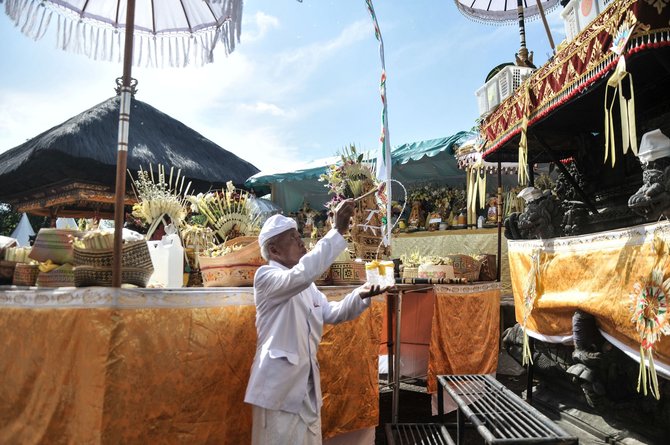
(425, 161)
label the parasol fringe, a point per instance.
(104, 42)
(503, 18)
(45, 20)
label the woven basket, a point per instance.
(97, 276)
(61, 277)
(436, 271)
(55, 245)
(346, 273)
(410, 272)
(7, 271)
(234, 269)
(466, 267)
(25, 274)
(325, 279)
(135, 255)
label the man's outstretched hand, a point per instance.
(343, 214)
(370, 290)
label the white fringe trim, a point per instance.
(102, 41)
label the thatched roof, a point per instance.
(81, 153)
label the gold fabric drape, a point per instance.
(105, 366)
(465, 331)
(594, 273)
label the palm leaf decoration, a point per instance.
(229, 213)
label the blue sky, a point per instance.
(302, 83)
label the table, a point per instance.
(465, 331)
(448, 242)
(102, 365)
(500, 416)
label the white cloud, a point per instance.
(263, 23)
(264, 146)
(263, 108)
(305, 59)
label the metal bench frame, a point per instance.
(499, 415)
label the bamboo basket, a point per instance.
(7, 271)
(102, 276)
(61, 277)
(25, 274)
(410, 272)
(466, 267)
(135, 254)
(235, 269)
(346, 273)
(325, 279)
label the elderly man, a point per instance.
(284, 387)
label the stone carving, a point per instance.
(588, 358)
(542, 218)
(653, 199)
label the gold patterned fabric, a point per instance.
(465, 331)
(595, 273)
(111, 366)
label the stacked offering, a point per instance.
(53, 249)
(92, 256)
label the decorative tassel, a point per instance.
(523, 141)
(647, 375)
(527, 354)
(626, 108)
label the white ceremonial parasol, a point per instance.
(137, 32)
(507, 12)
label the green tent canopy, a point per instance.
(425, 161)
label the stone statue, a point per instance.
(541, 219)
(653, 199)
(588, 358)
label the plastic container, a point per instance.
(167, 256)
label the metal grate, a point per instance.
(417, 434)
(500, 415)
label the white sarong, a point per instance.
(274, 427)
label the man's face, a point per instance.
(287, 248)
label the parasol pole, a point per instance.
(522, 58)
(122, 152)
(546, 26)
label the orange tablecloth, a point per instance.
(458, 324)
(99, 365)
(465, 331)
